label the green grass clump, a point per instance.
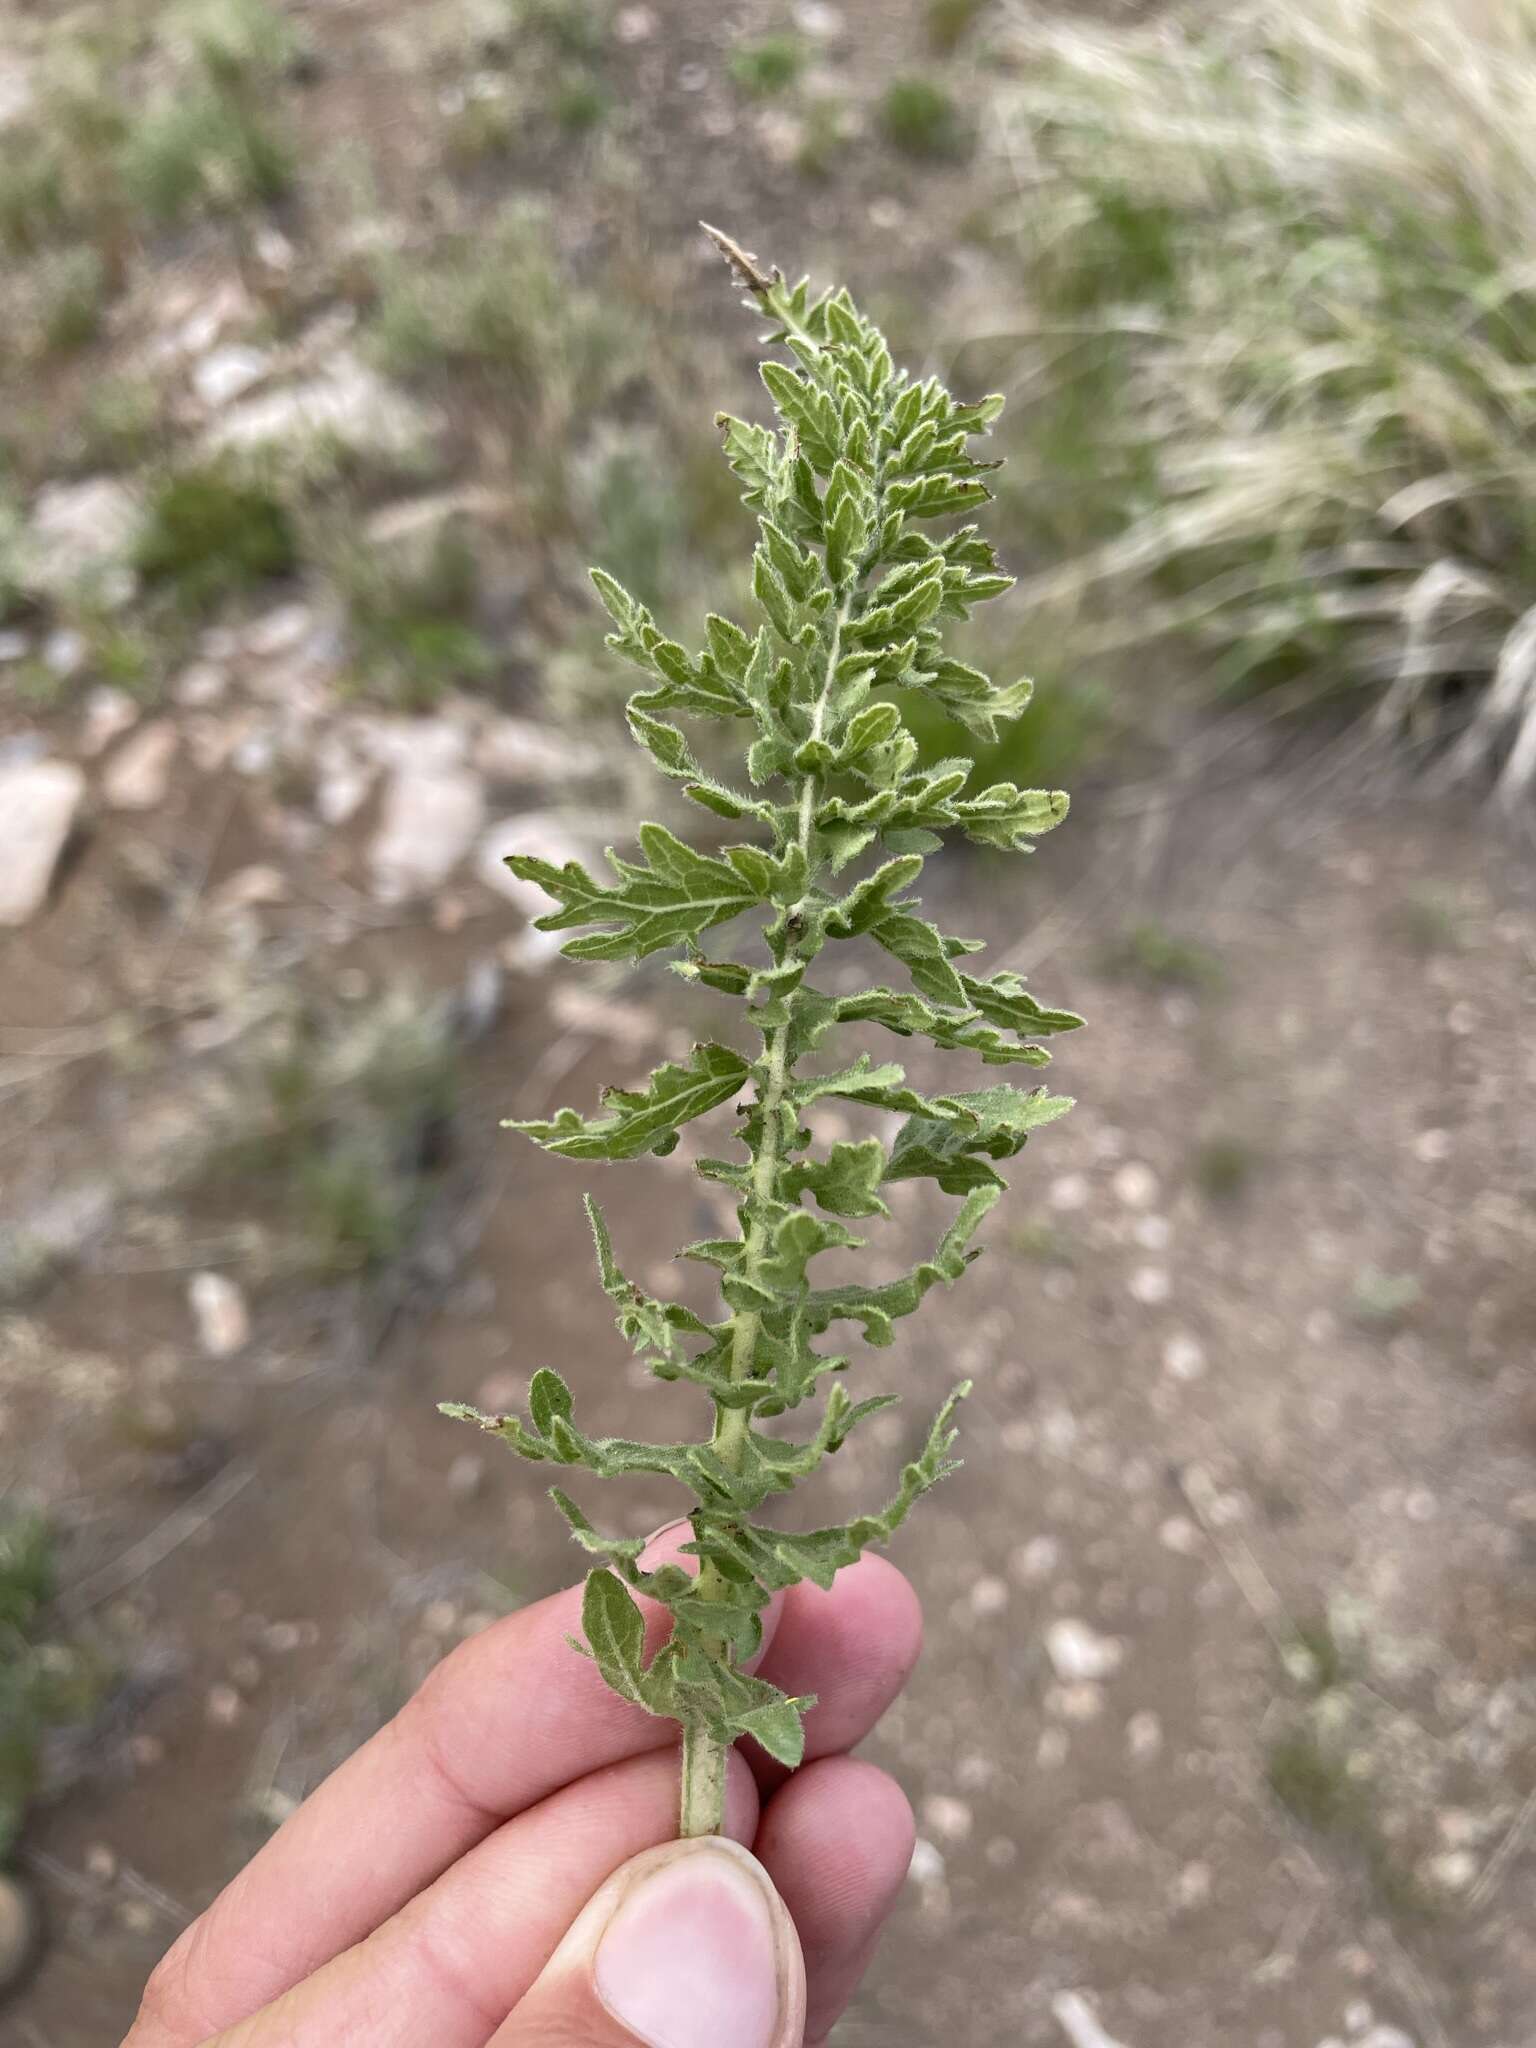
(411, 613)
(767, 67)
(205, 152)
(1280, 257)
(949, 22)
(1157, 958)
(44, 1682)
(69, 291)
(1225, 1167)
(923, 120)
(211, 530)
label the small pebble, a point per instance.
(1454, 1871)
(1077, 1651)
(1432, 1147)
(950, 1819)
(219, 1311)
(1150, 1285)
(1135, 1184)
(466, 1475)
(989, 1596)
(146, 1751)
(1184, 1357)
(1152, 1233)
(1053, 1749)
(1084, 1702)
(1069, 1191)
(440, 1618)
(100, 1861)
(1180, 1535)
(1144, 1737)
(927, 1865)
(1036, 1559)
(19, 1929)
(223, 1707)
(1194, 1885)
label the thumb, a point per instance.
(686, 1946)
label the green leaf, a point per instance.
(955, 1151)
(924, 952)
(677, 894)
(615, 1631)
(846, 1182)
(548, 1397)
(645, 1120)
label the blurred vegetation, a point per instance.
(1282, 321)
(45, 1682)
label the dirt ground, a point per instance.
(1221, 1410)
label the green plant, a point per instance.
(1161, 959)
(44, 1683)
(71, 291)
(921, 119)
(204, 150)
(853, 595)
(1225, 1166)
(210, 529)
(767, 67)
(411, 614)
(1279, 261)
(949, 22)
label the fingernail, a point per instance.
(693, 1958)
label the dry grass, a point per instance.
(1282, 274)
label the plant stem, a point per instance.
(703, 1783)
(703, 1793)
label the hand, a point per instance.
(496, 1868)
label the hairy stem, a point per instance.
(703, 1790)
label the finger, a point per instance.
(454, 1962)
(866, 1635)
(687, 1947)
(504, 1721)
(837, 1842)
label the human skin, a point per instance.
(420, 1892)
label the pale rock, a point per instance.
(100, 1861)
(1079, 1652)
(989, 1596)
(18, 95)
(815, 18)
(1455, 1870)
(949, 1818)
(219, 1311)
(1180, 1535)
(227, 373)
(1079, 2022)
(250, 888)
(223, 1706)
(517, 750)
(635, 24)
(1150, 1285)
(1432, 1147)
(409, 742)
(927, 1865)
(1193, 1886)
(200, 684)
(1184, 1357)
(1036, 1559)
(429, 821)
(139, 773)
(14, 644)
(344, 403)
(228, 305)
(1386, 2037)
(279, 631)
(20, 1930)
(419, 523)
(1081, 1702)
(1135, 1184)
(1070, 1191)
(466, 1476)
(80, 534)
(1152, 1233)
(1144, 1737)
(1357, 2016)
(38, 803)
(65, 651)
(109, 713)
(274, 251)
